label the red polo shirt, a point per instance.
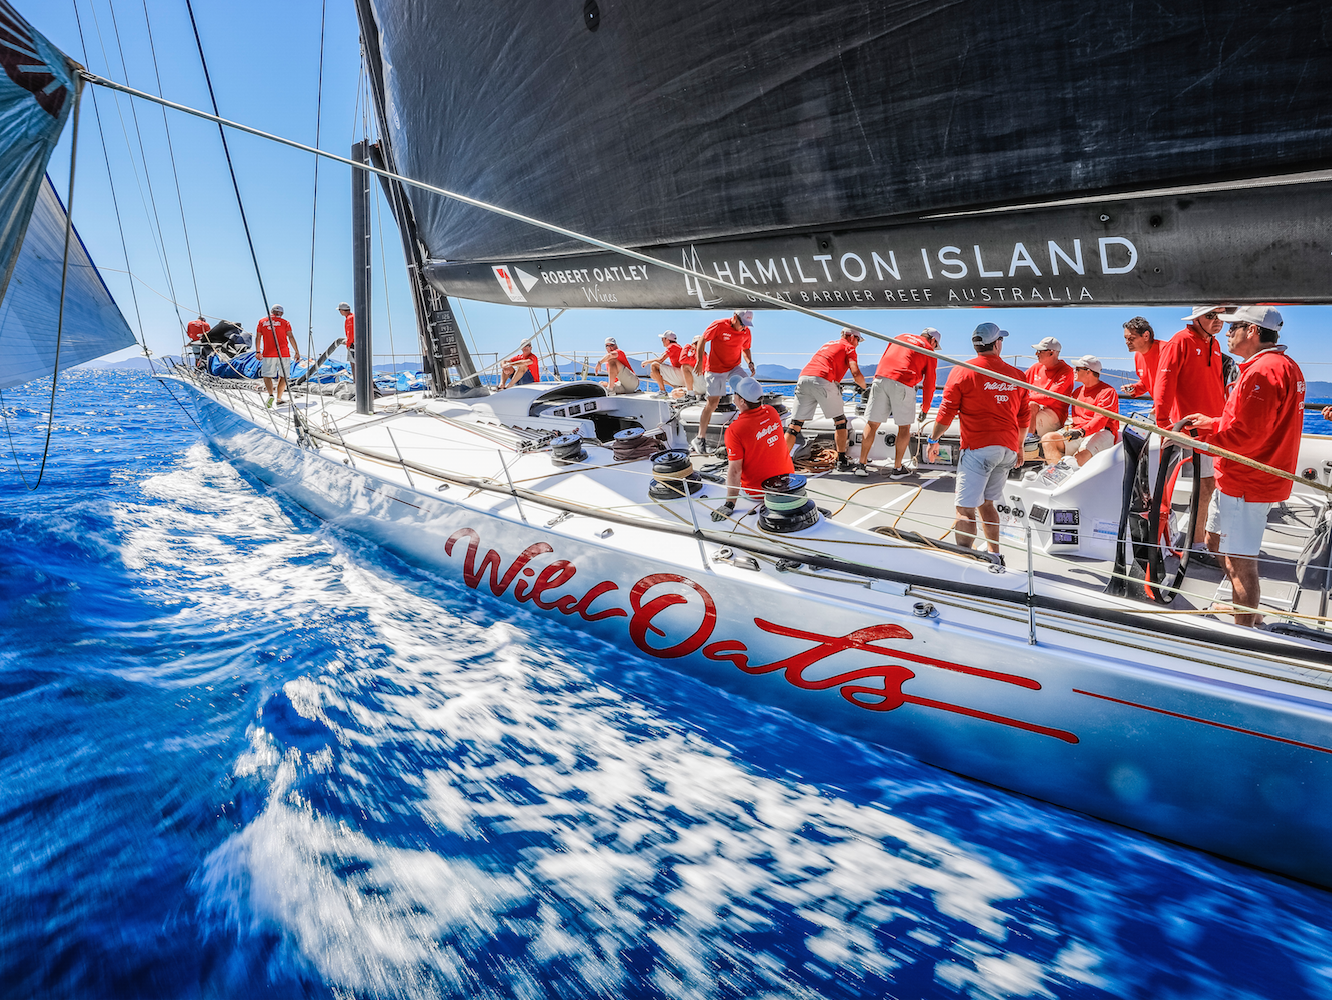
(196, 328)
(728, 344)
(1059, 378)
(832, 361)
(532, 361)
(755, 439)
(1089, 421)
(274, 337)
(993, 409)
(901, 364)
(349, 330)
(1263, 420)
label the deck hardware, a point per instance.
(606, 533)
(726, 554)
(788, 565)
(442, 487)
(924, 609)
(558, 518)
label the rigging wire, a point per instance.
(147, 173)
(175, 173)
(231, 167)
(314, 203)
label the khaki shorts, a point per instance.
(628, 382)
(811, 392)
(672, 376)
(716, 381)
(1239, 522)
(274, 367)
(981, 474)
(890, 398)
(1096, 443)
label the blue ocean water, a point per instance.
(245, 754)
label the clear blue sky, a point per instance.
(264, 58)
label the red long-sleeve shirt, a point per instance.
(349, 330)
(993, 410)
(196, 328)
(1089, 421)
(901, 364)
(1059, 378)
(1263, 420)
(1189, 378)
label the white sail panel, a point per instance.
(93, 324)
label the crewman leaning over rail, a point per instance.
(1263, 419)
(820, 387)
(1090, 433)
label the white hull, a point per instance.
(1193, 738)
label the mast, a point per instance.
(361, 284)
(442, 345)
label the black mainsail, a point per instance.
(861, 154)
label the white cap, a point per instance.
(1202, 311)
(1264, 316)
(749, 390)
(1088, 361)
(524, 345)
(344, 305)
(1048, 344)
(610, 342)
(848, 332)
(669, 335)
(747, 318)
(275, 309)
(987, 333)
(932, 333)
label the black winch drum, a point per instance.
(672, 474)
(567, 449)
(785, 506)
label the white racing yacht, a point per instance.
(834, 155)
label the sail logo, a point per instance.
(505, 276)
(23, 64)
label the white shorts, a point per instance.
(890, 398)
(981, 474)
(1096, 443)
(672, 376)
(812, 391)
(274, 367)
(716, 381)
(1239, 522)
(628, 382)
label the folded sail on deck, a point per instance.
(36, 97)
(823, 149)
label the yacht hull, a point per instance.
(1204, 746)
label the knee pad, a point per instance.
(839, 423)
(795, 426)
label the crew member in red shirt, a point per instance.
(1263, 419)
(277, 346)
(1140, 338)
(621, 376)
(820, 386)
(349, 335)
(893, 393)
(1046, 413)
(729, 339)
(688, 362)
(521, 369)
(993, 411)
(196, 328)
(668, 370)
(1093, 432)
(1190, 380)
(755, 446)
